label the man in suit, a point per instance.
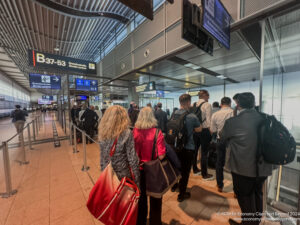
(248, 172)
(161, 117)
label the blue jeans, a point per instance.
(221, 154)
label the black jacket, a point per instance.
(162, 119)
(90, 117)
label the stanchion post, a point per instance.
(70, 132)
(84, 140)
(23, 149)
(75, 141)
(29, 137)
(9, 192)
(36, 127)
(33, 129)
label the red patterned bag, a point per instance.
(114, 202)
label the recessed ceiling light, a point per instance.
(222, 77)
(193, 66)
(56, 49)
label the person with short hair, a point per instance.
(192, 124)
(215, 107)
(144, 135)
(217, 123)
(203, 138)
(240, 133)
(90, 119)
(18, 118)
(235, 97)
(161, 117)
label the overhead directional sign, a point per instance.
(145, 87)
(44, 81)
(86, 85)
(216, 21)
(45, 60)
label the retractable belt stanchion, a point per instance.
(70, 132)
(29, 136)
(84, 140)
(36, 127)
(23, 149)
(33, 129)
(75, 141)
(9, 192)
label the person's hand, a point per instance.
(161, 157)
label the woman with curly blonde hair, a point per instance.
(144, 134)
(115, 125)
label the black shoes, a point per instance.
(181, 198)
(208, 177)
(174, 188)
(196, 170)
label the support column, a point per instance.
(133, 96)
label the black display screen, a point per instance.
(44, 81)
(46, 60)
(86, 85)
(216, 21)
(143, 7)
(192, 28)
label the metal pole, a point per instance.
(298, 221)
(9, 191)
(33, 129)
(70, 131)
(75, 141)
(23, 148)
(37, 127)
(29, 137)
(84, 167)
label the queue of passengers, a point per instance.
(87, 119)
(237, 132)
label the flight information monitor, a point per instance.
(86, 85)
(44, 81)
(216, 21)
(160, 94)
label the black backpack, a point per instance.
(276, 144)
(176, 131)
(18, 115)
(197, 111)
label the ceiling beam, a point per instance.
(76, 13)
(183, 62)
(170, 78)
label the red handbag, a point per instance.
(114, 202)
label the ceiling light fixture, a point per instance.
(192, 66)
(56, 49)
(222, 77)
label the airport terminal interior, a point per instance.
(56, 55)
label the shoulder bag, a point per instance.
(112, 201)
(160, 175)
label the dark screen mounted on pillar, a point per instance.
(192, 27)
(45, 60)
(216, 21)
(143, 7)
(44, 81)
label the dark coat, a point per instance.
(240, 134)
(162, 120)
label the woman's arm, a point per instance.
(133, 159)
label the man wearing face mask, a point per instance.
(240, 133)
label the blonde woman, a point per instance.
(115, 124)
(144, 134)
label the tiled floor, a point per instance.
(53, 190)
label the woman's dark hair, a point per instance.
(246, 100)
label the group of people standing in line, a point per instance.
(236, 133)
(86, 118)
